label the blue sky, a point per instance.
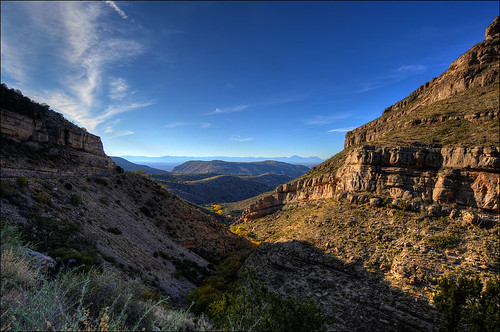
(230, 78)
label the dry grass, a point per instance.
(410, 249)
(91, 301)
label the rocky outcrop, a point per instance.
(44, 131)
(449, 175)
(478, 67)
(37, 141)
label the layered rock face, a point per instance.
(449, 110)
(465, 176)
(38, 142)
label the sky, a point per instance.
(259, 78)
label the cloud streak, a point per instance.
(319, 120)
(395, 76)
(240, 139)
(225, 110)
(341, 130)
(113, 5)
(176, 124)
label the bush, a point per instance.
(49, 234)
(83, 260)
(7, 189)
(466, 306)
(251, 306)
(75, 199)
(119, 169)
(22, 182)
(114, 230)
(68, 186)
(444, 240)
(41, 196)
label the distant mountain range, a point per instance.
(209, 188)
(240, 168)
(217, 181)
(129, 166)
(169, 162)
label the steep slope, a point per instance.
(413, 197)
(70, 201)
(129, 166)
(237, 168)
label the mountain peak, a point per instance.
(493, 30)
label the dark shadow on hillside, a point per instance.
(350, 296)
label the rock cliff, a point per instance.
(39, 141)
(437, 147)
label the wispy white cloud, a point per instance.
(177, 124)
(122, 133)
(240, 139)
(108, 129)
(118, 89)
(224, 110)
(394, 76)
(341, 130)
(11, 61)
(78, 45)
(206, 125)
(113, 5)
(326, 119)
(411, 69)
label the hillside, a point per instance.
(209, 188)
(68, 196)
(413, 197)
(439, 145)
(239, 168)
(129, 166)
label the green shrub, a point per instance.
(7, 189)
(83, 260)
(444, 240)
(41, 196)
(75, 199)
(251, 306)
(466, 306)
(68, 186)
(22, 182)
(49, 233)
(139, 172)
(101, 181)
(114, 230)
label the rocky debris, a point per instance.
(44, 264)
(351, 297)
